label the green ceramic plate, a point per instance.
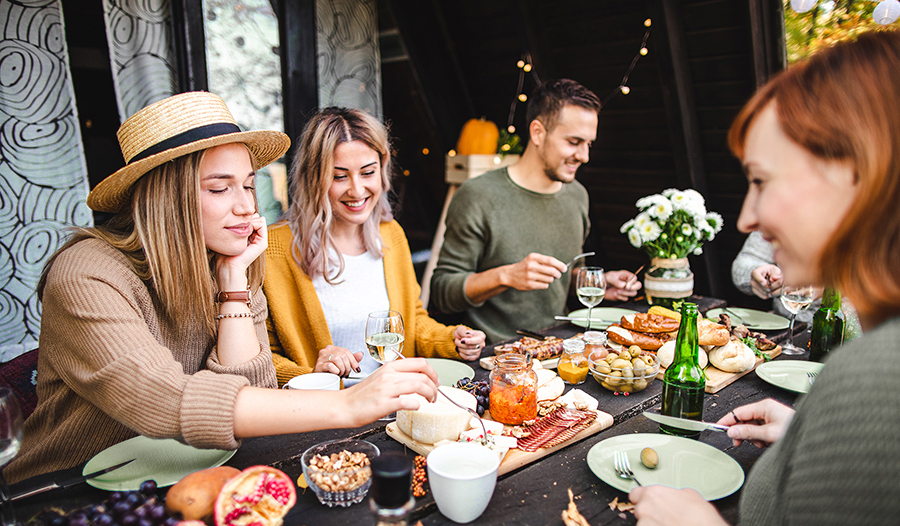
(450, 371)
(789, 374)
(753, 319)
(601, 317)
(683, 463)
(164, 460)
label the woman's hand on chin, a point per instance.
(229, 267)
(469, 342)
(337, 360)
(386, 390)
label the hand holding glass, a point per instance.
(795, 298)
(590, 286)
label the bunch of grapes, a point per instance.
(481, 389)
(122, 508)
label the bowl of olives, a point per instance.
(628, 371)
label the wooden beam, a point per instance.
(687, 146)
(299, 69)
(767, 35)
(435, 65)
(189, 41)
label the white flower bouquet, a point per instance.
(672, 224)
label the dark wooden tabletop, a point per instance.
(534, 494)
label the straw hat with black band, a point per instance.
(176, 126)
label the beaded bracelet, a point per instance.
(234, 315)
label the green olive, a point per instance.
(611, 357)
(635, 351)
(627, 372)
(605, 369)
(625, 388)
(621, 364)
(639, 384)
(614, 379)
(638, 363)
(649, 458)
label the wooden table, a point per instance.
(534, 494)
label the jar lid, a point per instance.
(595, 337)
(391, 479)
(573, 345)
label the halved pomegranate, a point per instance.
(258, 496)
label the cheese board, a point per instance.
(515, 458)
(716, 379)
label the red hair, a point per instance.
(841, 105)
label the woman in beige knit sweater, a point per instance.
(154, 324)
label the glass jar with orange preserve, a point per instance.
(595, 341)
(573, 366)
(513, 390)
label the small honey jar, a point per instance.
(573, 366)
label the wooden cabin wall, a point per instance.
(641, 145)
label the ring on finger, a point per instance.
(330, 356)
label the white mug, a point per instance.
(322, 381)
(462, 477)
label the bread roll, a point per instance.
(733, 357)
(666, 354)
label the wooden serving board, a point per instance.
(717, 379)
(515, 458)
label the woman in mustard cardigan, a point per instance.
(340, 255)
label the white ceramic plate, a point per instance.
(164, 460)
(601, 317)
(450, 371)
(753, 319)
(683, 463)
(789, 374)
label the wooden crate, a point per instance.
(462, 167)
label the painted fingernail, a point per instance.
(462, 342)
(358, 369)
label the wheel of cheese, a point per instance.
(438, 420)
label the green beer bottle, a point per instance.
(828, 326)
(684, 382)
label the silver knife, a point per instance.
(68, 483)
(602, 320)
(684, 423)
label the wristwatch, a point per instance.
(241, 295)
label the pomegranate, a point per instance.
(259, 496)
(194, 496)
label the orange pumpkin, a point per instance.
(478, 136)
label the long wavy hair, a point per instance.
(161, 234)
(841, 105)
(310, 215)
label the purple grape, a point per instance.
(128, 520)
(145, 522)
(171, 521)
(104, 519)
(480, 411)
(148, 487)
(158, 513)
(80, 521)
(142, 512)
(58, 520)
(120, 509)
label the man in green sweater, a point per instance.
(510, 230)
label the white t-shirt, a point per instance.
(361, 289)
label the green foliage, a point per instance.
(825, 24)
(509, 143)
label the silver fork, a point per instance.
(811, 377)
(623, 467)
(576, 258)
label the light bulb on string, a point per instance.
(625, 90)
(647, 23)
(526, 68)
(802, 6)
(644, 51)
(511, 129)
(520, 64)
(886, 12)
(523, 97)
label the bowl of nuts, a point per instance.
(628, 371)
(339, 471)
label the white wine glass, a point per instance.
(384, 339)
(10, 440)
(795, 298)
(590, 286)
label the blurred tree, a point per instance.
(828, 22)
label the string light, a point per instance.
(511, 129)
(623, 86)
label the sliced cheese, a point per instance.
(438, 420)
(551, 390)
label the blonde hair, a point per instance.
(160, 232)
(310, 216)
(841, 104)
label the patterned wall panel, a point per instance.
(43, 174)
(141, 52)
(349, 59)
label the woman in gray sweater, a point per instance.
(819, 144)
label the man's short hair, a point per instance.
(548, 99)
